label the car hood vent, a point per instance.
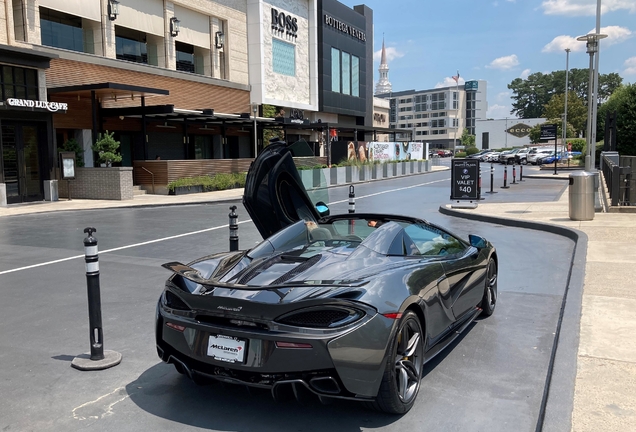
(297, 270)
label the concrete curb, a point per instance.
(558, 398)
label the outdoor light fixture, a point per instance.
(113, 9)
(175, 26)
(219, 39)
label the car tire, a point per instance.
(489, 300)
(403, 370)
(524, 162)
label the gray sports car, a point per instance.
(348, 306)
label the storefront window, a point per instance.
(130, 45)
(346, 73)
(185, 57)
(16, 82)
(61, 30)
(355, 76)
(284, 58)
(335, 70)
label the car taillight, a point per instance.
(280, 344)
(176, 327)
(173, 301)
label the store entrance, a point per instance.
(21, 161)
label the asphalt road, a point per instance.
(492, 378)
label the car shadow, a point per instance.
(163, 392)
(435, 361)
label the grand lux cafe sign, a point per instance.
(345, 28)
(27, 103)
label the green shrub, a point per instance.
(219, 181)
(107, 149)
(460, 154)
(471, 150)
(73, 146)
(578, 144)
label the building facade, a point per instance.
(504, 133)
(438, 116)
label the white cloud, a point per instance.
(615, 35)
(449, 82)
(585, 7)
(391, 54)
(498, 111)
(504, 63)
(525, 73)
(560, 43)
(501, 97)
(630, 65)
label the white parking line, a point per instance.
(390, 190)
(120, 248)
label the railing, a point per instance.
(619, 182)
(153, 178)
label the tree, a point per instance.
(73, 146)
(535, 131)
(106, 148)
(271, 111)
(467, 139)
(623, 101)
(577, 111)
(530, 95)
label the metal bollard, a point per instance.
(234, 239)
(514, 174)
(352, 199)
(521, 173)
(98, 359)
(492, 179)
(505, 186)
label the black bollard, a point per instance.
(521, 173)
(492, 179)
(505, 186)
(234, 239)
(94, 298)
(514, 174)
(98, 359)
(352, 199)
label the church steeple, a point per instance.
(383, 85)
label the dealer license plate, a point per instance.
(226, 348)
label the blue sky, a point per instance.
(496, 40)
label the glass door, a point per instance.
(21, 162)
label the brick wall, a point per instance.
(99, 183)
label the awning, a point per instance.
(108, 91)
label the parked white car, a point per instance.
(537, 154)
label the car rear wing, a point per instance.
(195, 276)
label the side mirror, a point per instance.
(476, 241)
(323, 209)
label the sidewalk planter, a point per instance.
(307, 177)
(385, 170)
(419, 166)
(99, 183)
(365, 173)
(403, 168)
(411, 165)
(325, 176)
(353, 174)
(376, 171)
(393, 169)
(184, 190)
(338, 175)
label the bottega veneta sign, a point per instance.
(519, 130)
(27, 103)
(345, 28)
(284, 23)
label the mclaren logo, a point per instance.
(227, 349)
(230, 309)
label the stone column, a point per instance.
(109, 48)
(168, 40)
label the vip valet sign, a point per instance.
(465, 179)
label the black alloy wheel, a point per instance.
(489, 301)
(403, 371)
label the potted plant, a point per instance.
(106, 147)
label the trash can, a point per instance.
(50, 190)
(581, 196)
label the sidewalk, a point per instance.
(604, 395)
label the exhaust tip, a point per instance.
(327, 385)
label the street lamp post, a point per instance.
(592, 99)
(456, 125)
(255, 109)
(567, 87)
